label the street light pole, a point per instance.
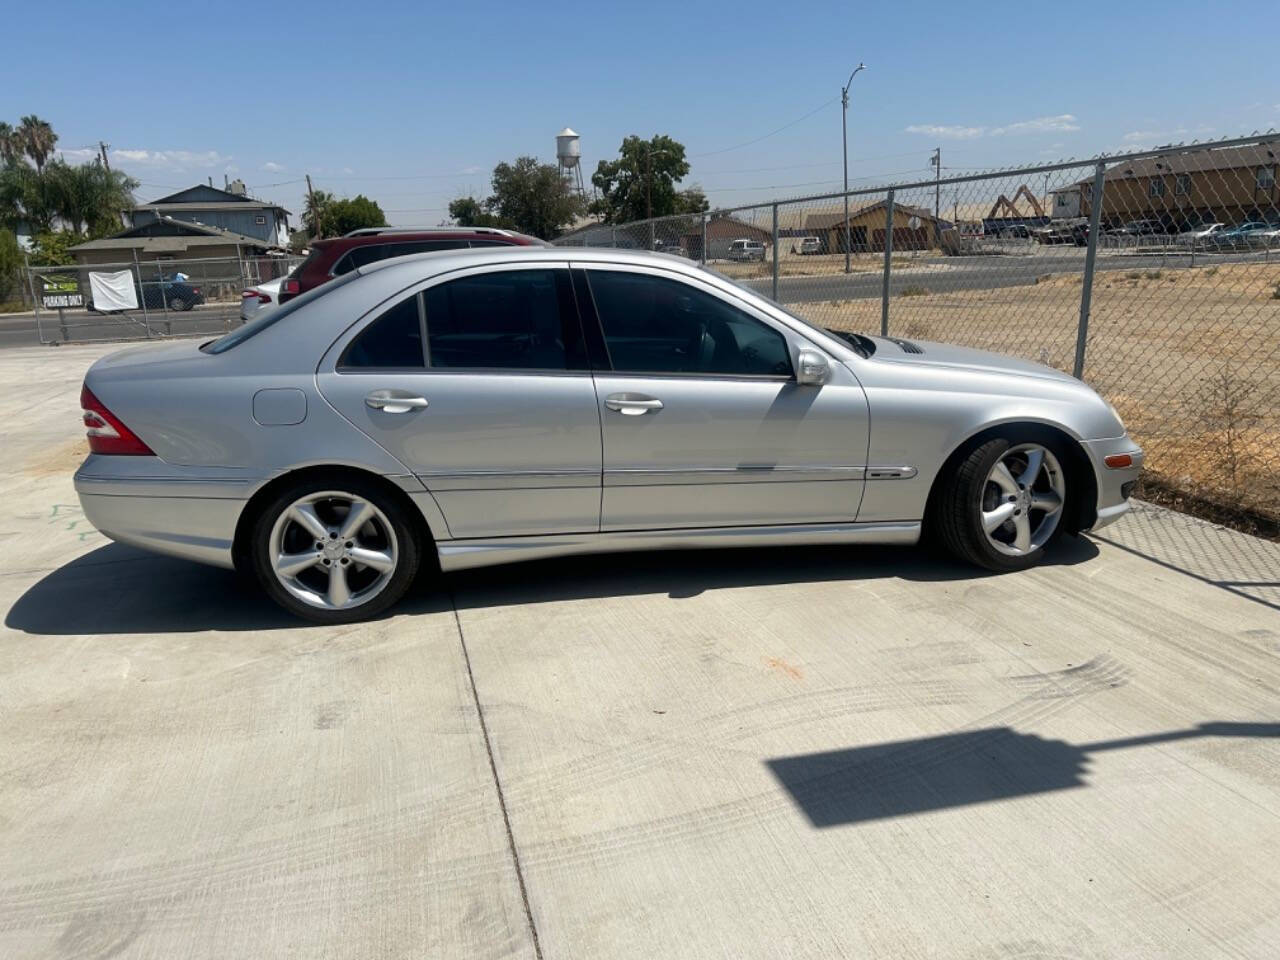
(844, 137)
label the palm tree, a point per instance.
(37, 139)
(315, 212)
(9, 146)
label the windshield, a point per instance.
(863, 346)
(257, 325)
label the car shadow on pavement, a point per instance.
(120, 589)
(906, 777)
(681, 574)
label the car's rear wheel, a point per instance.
(178, 304)
(1004, 502)
(334, 550)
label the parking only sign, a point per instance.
(60, 290)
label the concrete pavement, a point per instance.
(800, 753)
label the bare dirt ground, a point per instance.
(1190, 358)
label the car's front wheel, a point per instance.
(1003, 503)
(334, 550)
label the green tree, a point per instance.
(88, 197)
(37, 139)
(642, 181)
(26, 197)
(53, 249)
(533, 198)
(10, 148)
(692, 200)
(315, 212)
(10, 262)
(343, 216)
(470, 212)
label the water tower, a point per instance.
(569, 156)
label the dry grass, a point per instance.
(1193, 365)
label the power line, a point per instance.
(785, 126)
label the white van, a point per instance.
(746, 250)
(810, 245)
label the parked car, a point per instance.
(1074, 231)
(1199, 234)
(340, 255)
(1250, 234)
(665, 246)
(746, 250)
(1138, 228)
(810, 245)
(485, 406)
(259, 300)
(164, 294)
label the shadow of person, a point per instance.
(121, 589)
(954, 770)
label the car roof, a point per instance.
(447, 260)
(374, 237)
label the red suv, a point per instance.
(332, 258)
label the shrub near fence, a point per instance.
(1174, 320)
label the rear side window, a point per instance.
(373, 252)
(393, 340)
(508, 320)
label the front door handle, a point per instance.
(632, 404)
(395, 401)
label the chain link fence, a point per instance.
(1164, 294)
(174, 297)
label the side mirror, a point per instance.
(812, 368)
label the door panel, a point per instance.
(725, 452)
(504, 451)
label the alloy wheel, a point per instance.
(1022, 499)
(333, 550)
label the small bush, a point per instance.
(918, 330)
(1275, 294)
(1154, 274)
(1210, 271)
(1133, 275)
(914, 291)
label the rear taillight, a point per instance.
(255, 295)
(288, 289)
(106, 433)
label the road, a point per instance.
(799, 753)
(23, 329)
(951, 274)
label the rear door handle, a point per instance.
(632, 404)
(395, 401)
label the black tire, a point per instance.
(178, 304)
(407, 540)
(957, 513)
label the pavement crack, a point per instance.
(497, 782)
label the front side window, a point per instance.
(659, 325)
(392, 341)
(506, 320)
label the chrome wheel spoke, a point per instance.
(361, 511)
(380, 560)
(1035, 460)
(993, 520)
(304, 514)
(292, 564)
(1048, 501)
(339, 593)
(1022, 537)
(1002, 478)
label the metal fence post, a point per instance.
(888, 258)
(704, 239)
(164, 301)
(142, 292)
(35, 300)
(1090, 258)
(775, 251)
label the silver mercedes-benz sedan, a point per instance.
(484, 406)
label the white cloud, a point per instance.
(947, 132)
(1062, 123)
(1165, 136)
(272, 167)
(347, 170)
(469, 171)
(172, 160)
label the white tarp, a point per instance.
(113, 291)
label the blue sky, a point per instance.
(413, 103)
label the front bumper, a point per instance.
(180, 511)
(1114, 485)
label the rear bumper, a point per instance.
(1114, 485)
(179, 511)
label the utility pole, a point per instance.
(844, 136)
(102, 147)
(936, 160)
(311, 199)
